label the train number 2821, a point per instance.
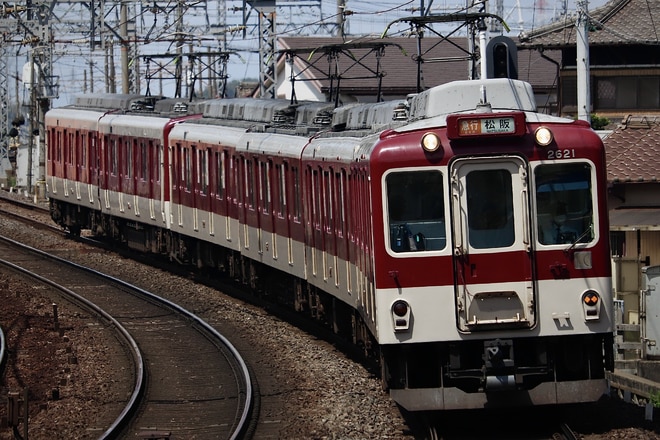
(566, 153)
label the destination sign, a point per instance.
(475, 127)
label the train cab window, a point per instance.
(564, 203)
(415, 210)
(490, 209)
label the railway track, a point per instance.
(274, 398)
(566, 433)
(529, 424)
(187, 380)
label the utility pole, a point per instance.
(267, 50)
(8, 27)
(123, 32)
(583, 77)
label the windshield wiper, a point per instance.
(577, 240)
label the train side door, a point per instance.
(492, 244)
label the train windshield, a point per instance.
(564, 203)
(415, 209)
(490, 208)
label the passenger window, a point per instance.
(564, 203)
(415, 211)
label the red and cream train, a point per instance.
(459, 235)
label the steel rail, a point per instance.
(241, 426)
(3, 351)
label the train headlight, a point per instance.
(591, 305)
(401, 315)
(430, 142)
(543, 136)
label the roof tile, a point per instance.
(399, 66)
(617, 22)
(632, 150)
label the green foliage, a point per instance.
(655, 399)
(599, 122)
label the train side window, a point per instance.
(129, 157)
(297, 194)
(280, 170)
(60, 154)
(202, 170)
(236, 180)
(187, 169)
(83, 150)
(250, 185)
(220, 168)
(70, 145)
(328, 212)
(161, 160)
(144, 162)
(340, 179)
(114, 157)
(415, 210)
(564, 203)
(93, 152)
(316, 199)
(265, 187)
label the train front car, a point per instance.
(491, 253)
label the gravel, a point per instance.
(309, 389)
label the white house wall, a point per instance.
(305, 90)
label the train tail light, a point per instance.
(591, 305)
(401, 315)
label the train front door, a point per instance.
(492, 243)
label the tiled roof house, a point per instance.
(624, 52)
(624, 58)
(443, 62)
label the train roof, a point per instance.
(473, 95)
(478, 96)
(282, 145)
(116, 101)
(299, 118)
(132, 124)
(193, 131)
(75, 118)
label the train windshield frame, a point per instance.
(415, 210)
(564, 194)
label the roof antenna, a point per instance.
(484, 105)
